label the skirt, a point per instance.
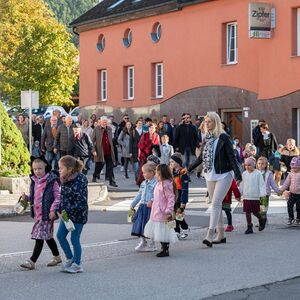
(42, 230)
(160, 232)
(141, 218)
(251, 206)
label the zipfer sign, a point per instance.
(260, 20)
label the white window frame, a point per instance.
(157, 75)
(130, 83)
(229, 37)
(298, 31)
(103, 84)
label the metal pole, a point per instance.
(30, 123)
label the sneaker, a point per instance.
(55, 261)
(297, 222)
(290, 222)
(28, 264)
(150, 248)
(74, 268)
(101, 173)
(66, 265)
(184, 234)
(141, 246)
(122, 169)
(229, 228)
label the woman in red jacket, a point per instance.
(148, 139)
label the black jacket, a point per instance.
(82, 147)
(186, 137)
(224, 161)
(133, 144)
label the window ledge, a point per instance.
(157, 98)
(128, 99)
(228, 65)
(295, 56)
(100, 101)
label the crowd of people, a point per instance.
(162, 155)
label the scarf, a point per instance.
(208, 152)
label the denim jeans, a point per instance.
(75, 240)
(135, 167)
(51, 157)
(187, 156)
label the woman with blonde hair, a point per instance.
(219, 165)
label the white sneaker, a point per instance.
(141, 246)
(66, 265)
(151, 247)
(122, 169)
(74, 268)
(184, 234)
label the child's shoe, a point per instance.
(74, 268)
(249, 230)
(141, 246)
(55, 261)
(262, 224)
(165, 250)
(28, 264)
(297, 221)
(229, 228)
(150, 248)
(66, 265)
(290, 222)
(184, 234)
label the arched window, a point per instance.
(127, 39)
(101, 43)
(156, 32)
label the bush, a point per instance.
(14, 153)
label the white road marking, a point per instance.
(90, 245)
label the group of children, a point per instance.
(53, 196)
(162, 200)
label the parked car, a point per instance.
(14, 111)
(35, 111)
(74, 114)
(50, 109)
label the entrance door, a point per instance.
(234, 122)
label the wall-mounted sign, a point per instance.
(260, 20)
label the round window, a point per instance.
(156, 32)
(127, 39)
(101, 43)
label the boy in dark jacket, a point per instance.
(181, 180)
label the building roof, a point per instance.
(113, 8)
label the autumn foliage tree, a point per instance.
(35, 53)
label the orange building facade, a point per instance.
(195, 57)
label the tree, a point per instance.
(14, 153)
(35, 53)
(68, 10)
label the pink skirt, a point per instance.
(251, 206)
(42, 230)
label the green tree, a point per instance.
(15, 156)
(35, 53)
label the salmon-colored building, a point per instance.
(240, 58)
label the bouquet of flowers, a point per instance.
(67, 221)
(130, 215)
(22, 204)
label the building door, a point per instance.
(234, 122)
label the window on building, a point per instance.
(103, 85)
(129, 88)
(298, 31)
(156, 32)
(158, 80)
(127, 39)
(101, 43)
(231, 43)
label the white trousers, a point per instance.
(217, 191)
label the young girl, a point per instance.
(161, 211)
(124, 142)
(44, 199)
(292, 183)
(166, 150)
(262, 166)
(226, 205)
(145, 198)
(181, 180)
(252, 188)
(276, 164)
(74, 203)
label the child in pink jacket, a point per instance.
(162, 208)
